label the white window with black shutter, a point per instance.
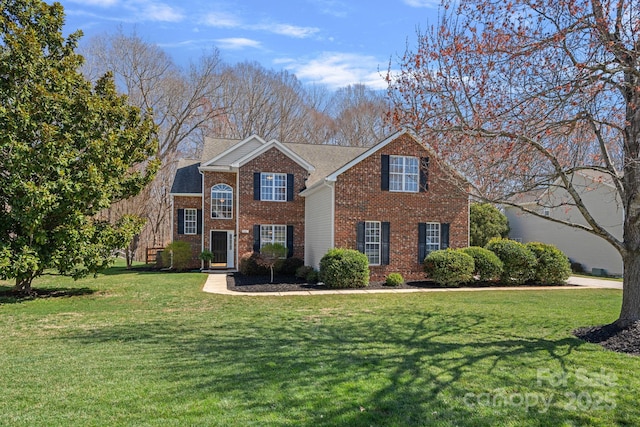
(264, 234)
(372, 239)
(190, 221)
(431, 237)
(273, 187)
(405, 174)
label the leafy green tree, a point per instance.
(67, 150)
(485, 223)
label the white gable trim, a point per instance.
(334, 176)
(233, 148)
(273, 144)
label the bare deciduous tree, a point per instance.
(184, 105)
(521, 95)
(359, 115)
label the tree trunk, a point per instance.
(630, 312)
(23, 284)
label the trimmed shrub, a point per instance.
(312, 276)
(553, 266)
(303, 271)
(576, 267)
(307, 273)
(519, 263)
(394, 279)
(486, 222)
(177, 255)
(249, 265)
(487, 264)
(289, 266)
(344, 268)
(449, 267)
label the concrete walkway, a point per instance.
(217, 284)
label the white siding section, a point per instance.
(240, 152)
(319, 217)
(580, 246)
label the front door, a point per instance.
(219, 248)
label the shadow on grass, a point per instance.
(139, 269)
(336, 369)
(8, 295)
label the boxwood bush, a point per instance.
(553, 266)
(519, 263)
(487, 264)
(449, 267)
(344, 268)
(394, 279)
(249, 265)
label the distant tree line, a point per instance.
(210, 98)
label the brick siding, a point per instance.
(195, 240)
(264, 212)
(359, 198)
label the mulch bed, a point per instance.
(241, 283)
(611, 337)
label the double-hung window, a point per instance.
(372, 241)
(190, 221)
(273, 234)
(404, 174)
(221, 201)
(273, 187)
(433, 236)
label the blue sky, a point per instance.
(329, 42)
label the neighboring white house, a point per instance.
(602, 200)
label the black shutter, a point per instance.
(256, 186)
(199, 221)
(384, 172)
(422, 242)
(444, 236)
(424, 174)
(289, 241)
(180, 221)
(385, 243)
(360, 237)
(256, 238)
(289, 187)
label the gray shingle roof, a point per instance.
(214, 146)
(187, 179)
(324, 158)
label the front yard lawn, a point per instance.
(151, 349)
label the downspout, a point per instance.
(202, 225)
(236, 238)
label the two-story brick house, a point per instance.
(393, 201)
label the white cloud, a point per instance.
(422, 3)
(229, 20)
(153, 11)
(99, 3)
(337, 8)
(221, 20)
(235, 43)
(337, 70)
(290, 30)
(133, 10)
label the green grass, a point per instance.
(151, 349)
